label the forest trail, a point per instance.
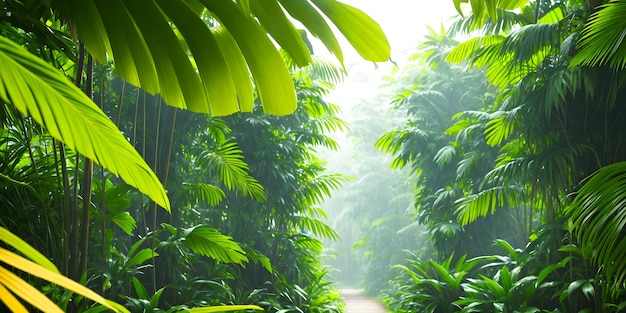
(356, 302)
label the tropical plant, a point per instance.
(427, 286)
(582, 34)
(39, 266)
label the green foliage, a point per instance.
(41, 91)
(130, 34)
(601, 40)
(428, 286)
(12, 285)
(602, 197)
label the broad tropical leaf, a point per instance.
(602, 39)
(209, 242)
(167, 47)
(41, 91)
(45, 270)
(362, 32)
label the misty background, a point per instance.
(372, 212)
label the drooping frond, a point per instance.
(467, 49)
(530, 40)
(201, 192)
(485, 12)
(320, 187)
(501, 126)
(486, 202)
(209, 242)
(597, 216)
(167, 47)
(602, 39)
(315, 226)
(444, 155)
(232, 170)
(37, 265)
(39, 90)
(470, 160)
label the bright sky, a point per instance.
(404, 22)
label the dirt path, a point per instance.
(356, 302)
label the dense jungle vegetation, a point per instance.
(163, 156)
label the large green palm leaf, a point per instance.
(39, 90)
(167, 47)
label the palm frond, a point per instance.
(601, 41)
(469, 161)
(200, 192)
(167, 47)
(321, 186)
(598, 220)
(487, 201)
(41, 268)
(467, 49)
(227, 161)
(529, 40)
(315, 226)
(501, 126)
(209, 242)
(39, 90)
(362, 32)
(444, 155)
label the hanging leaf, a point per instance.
(11, 284)
(39, 90)
(363, 33)
(209, 242)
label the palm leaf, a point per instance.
(486, 201)
(444, 155)
(470, 47)
(602, 39)
(39, 90)
(20, 288)
(304, 12)
(362, 32)
(209, 242)
(207, 193)
(166, 47)
(317, 227)
(224, 308)
(272, 17)
(273, 81)
(210, 57)
(598, 217)
(501, 126)
(227, 161)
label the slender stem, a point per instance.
(537, 11)
(103, 194)
(87, 182)
(169, 157)
(155, 207)
(73, 241)
(143, 153)
(119, 105)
